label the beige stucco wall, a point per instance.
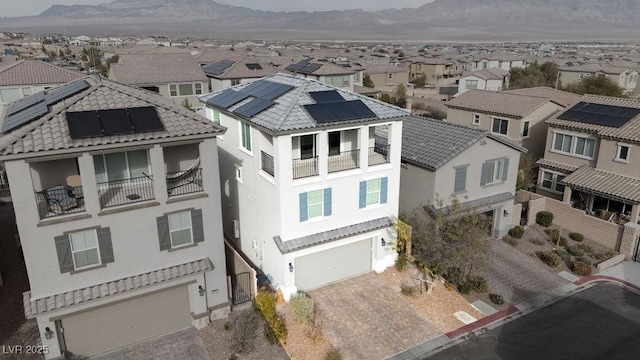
(567, 159)
(380, 80)
(606, 158)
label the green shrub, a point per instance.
(265, 302)
(279, 327)
(550, 258)
(586, 248)
(580, 268)
(544, 218)
(509, 240)
(402, 262)
(276, 327)
(333, 354)
(604, 255)
(584, 260)
(478, 284)
(302, 308)
(536, 241)
(563, 255)
(496, 299)
(407, 290)
(517, 232)
(575, 251)
(576, 237)
(227, 326)
(464, 288)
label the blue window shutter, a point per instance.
(304, 208)
(327, 202)
(383, 190)
(484, 175)
(505, 169)
(460, 183)
(363, 194)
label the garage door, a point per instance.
(115, 326)
(327, 266)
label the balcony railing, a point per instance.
(127, 191)
(60, 200)
(379, 154)
(4, 181)
(344, 161)
(184, 182)
(305, 167)
(267, 163)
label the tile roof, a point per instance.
(289, 114)
(604, 183)
(594, 68)
(212, 56)
(560, 97)
(141, 69)
(324, 237)
(35, 72)
(239, 70)
(51, 131)
(488, 74)
(363, 90)
(35, 307)
(497, 103)
(427, 60)
(556, 166)
(328, 69)
(473, 204)
(627, 132)
(384, 69)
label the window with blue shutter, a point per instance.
(486, 173)
(304, 214)
(327, 202)
(383, 190)
(460, 182)
(363, 195)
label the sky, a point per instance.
(35, 7)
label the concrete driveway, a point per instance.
(366, 319)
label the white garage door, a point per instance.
(331, 265)
(115, 326)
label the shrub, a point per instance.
(313, 328)
(575, 251)
(604, 255)
(244, 332)
(227, 326)
(402, 262)
(576, 237)
(333, 354)
(544, 218)
(563, 255)
(464, 288)
(517, 232)
(407, 290)
(550, 258)
(302, 308)
(584, 260)
(265, 302)
(536, 241)
(496, 299)
(276, 327)
(586, 248)
(509, 240)
(279, 328)
(580, 268)
(478, 284)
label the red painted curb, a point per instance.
(482, 322)
(593, 278)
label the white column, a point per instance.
(322, 147)
(208, 150)
(567, 195)
(363, 145)
(635, 211)
(156, 155)
(89, 184)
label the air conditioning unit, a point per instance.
(236, 229)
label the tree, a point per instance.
(534, 75)
(60, 53)
(399, 96)
(525, 172)
(366, 81)
(436, 113)
(112, 60)
(595, 85)
(419, 81)
(449, 242)
(186, 104)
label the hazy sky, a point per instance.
(35, 7)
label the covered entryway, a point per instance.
(115, 326)
(324, 267)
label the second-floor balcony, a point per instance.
(60, 200)
(125, 191)
(344, 160)
(379, 154)
(305, 167)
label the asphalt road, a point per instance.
(602, 322)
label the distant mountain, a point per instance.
(440, 20)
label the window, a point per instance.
(494, 171)
(307, 146)
(476, 119)
(500, 126)
(315, 204)
(356, 76)
(10, 95)
(622, 153)
(239, 173)
(339, 81)
(198, 88)
(563, 143)
(390, 76)
(373, 192)
(185, 89)
(245, 134)
(84, 248)
(585, 147)
(460, 182)
(574, 145)
(471, 84)
(525, 129)
(216, 116)
(334, 143)
(552, 182)
(235, 82)
(121, 166)
(180, 229)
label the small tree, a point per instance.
(436, 113)
(186, 104)
(399, 96)
(386, 98)
(419, 81)
(525, 172)
(366, 81)
(595, 85)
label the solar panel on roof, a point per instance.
(218, 67)
(23, 117)
(339, 111)
(254, 66)
(115, 122)
(326, 96)
(83, 124)
(254, 107)
(295, 67)
(310, 68)
(266, 89)
(57, 94)
(24, 103)
(145, 119)
(227, 98)
(599, 114)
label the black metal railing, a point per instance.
(184, 182)
(122, 192)
(267, 163)
(4, 181)
(345, 160)
(59, 200)
(379, 154)
(241, 288)
(305, 167)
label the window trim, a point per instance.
(175, 88)
(496, 170)
(243, 126)
(309, 217)
(238, 173)
(172, 231)
(619, 147)
(574, 141)
(493, 120)
(554, 181)
(368, 192)
(470, 81)
(474, 117)
(73, 252)
(126, 157)
(526, 125)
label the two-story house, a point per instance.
(624, 77)
(307, 196)
(591, 158)
(176, 76)
(437, 71)
(514, 116)
(327, 73)
(383, 75)
(117, 204)
(497, 61)
(226, 73)
(443, 161)
(494, 79)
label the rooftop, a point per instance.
(142, 69)
(563, 98)
(605, 183)
(243, 68)
(35, 72)
(488, 74)
(497, 103)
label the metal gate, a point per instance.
(241, 288)
(636, 256)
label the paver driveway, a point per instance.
(367, 319)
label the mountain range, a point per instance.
(462, 20)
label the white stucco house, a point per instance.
(443, 161)
(307, 196)
(343, 76)
(494, 79)
(117, 203)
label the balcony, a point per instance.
(126, 191)
(379, 154)
(267, 164)
(305, 167)
(60, 200)
(184, 182)
(344, 160)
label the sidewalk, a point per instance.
(626, 273)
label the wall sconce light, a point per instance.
(384, 243)
(290, 267)
(505, 213)
(48, 334)
(201, 290)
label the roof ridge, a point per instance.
(509, 93)
(11, 65)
